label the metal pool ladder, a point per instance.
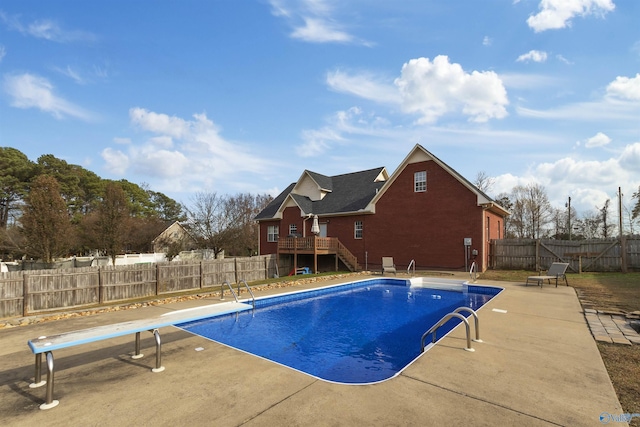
(455, 313)
(235, 296)
(253, 298)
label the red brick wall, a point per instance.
(428, 227)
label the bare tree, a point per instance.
(210, 221)
(531, 211)
(607, 227)
(45, 220)
(484, 182)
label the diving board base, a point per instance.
(46, 344)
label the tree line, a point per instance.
(533, 216)
(51, 209)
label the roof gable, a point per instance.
(420, 154)
(325, 195)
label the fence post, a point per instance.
(25, 295)
(235, 268)
(623, 253)
(157, 278)
(100, 286)
(201, 275)
(537, 254)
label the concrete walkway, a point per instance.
(538, 365)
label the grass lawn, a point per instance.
(605, 291)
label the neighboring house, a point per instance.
(174, 235)
(425, 212)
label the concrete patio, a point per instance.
(538, 365)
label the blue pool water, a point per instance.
(361, 332)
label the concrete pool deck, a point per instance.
(538, 365)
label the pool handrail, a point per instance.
(412, 264)
(434, 329)
(473, 271)
(253, 298)
(226, 282)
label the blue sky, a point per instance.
(237, 96)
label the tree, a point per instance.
(244, 207)
(635, 212)
(210, 221)
(112, 224)
(45, 220)
(16, 172)
(531, 211)
(607, 227)
(484, 182)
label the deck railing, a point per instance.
(315, 243)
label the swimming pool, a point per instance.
(359, 332)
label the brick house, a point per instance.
(425, 211)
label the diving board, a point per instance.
(47, 344)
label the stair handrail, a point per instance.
(230, 288)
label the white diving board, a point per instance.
(47, 344)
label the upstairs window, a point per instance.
(293, 229)
(357, 230)
(420, 181)
(272, 233)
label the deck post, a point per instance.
(315, 254)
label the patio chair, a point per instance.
(387, 265)
(556, 271)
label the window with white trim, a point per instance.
(357, 230)
(272, 233)
(293, 229)
(420, 181)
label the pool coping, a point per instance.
(538, 365)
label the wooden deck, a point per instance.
(317, 246)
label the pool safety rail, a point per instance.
(412, 264)
(235, 296)
(454, 314)
(473, 272)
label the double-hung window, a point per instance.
(420, 181)
(357, 230)
(293, 229)
(272, 233)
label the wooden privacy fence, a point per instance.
(31, 292)
(582, 255)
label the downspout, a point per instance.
(304, 225)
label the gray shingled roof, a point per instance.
(349, 193)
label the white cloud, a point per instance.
(598, 140)
(318, 30)
(625, 88)
(186, 155)
(3, 52)
(72, 74)
(122, 141)
(433, 89)
(364, 86)
(31, 91)
(313, 21)
(486, 41)
(45, 29)
(561, 58)
(555, 14)
(533, 55)
(630, 157)
(116, 161)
